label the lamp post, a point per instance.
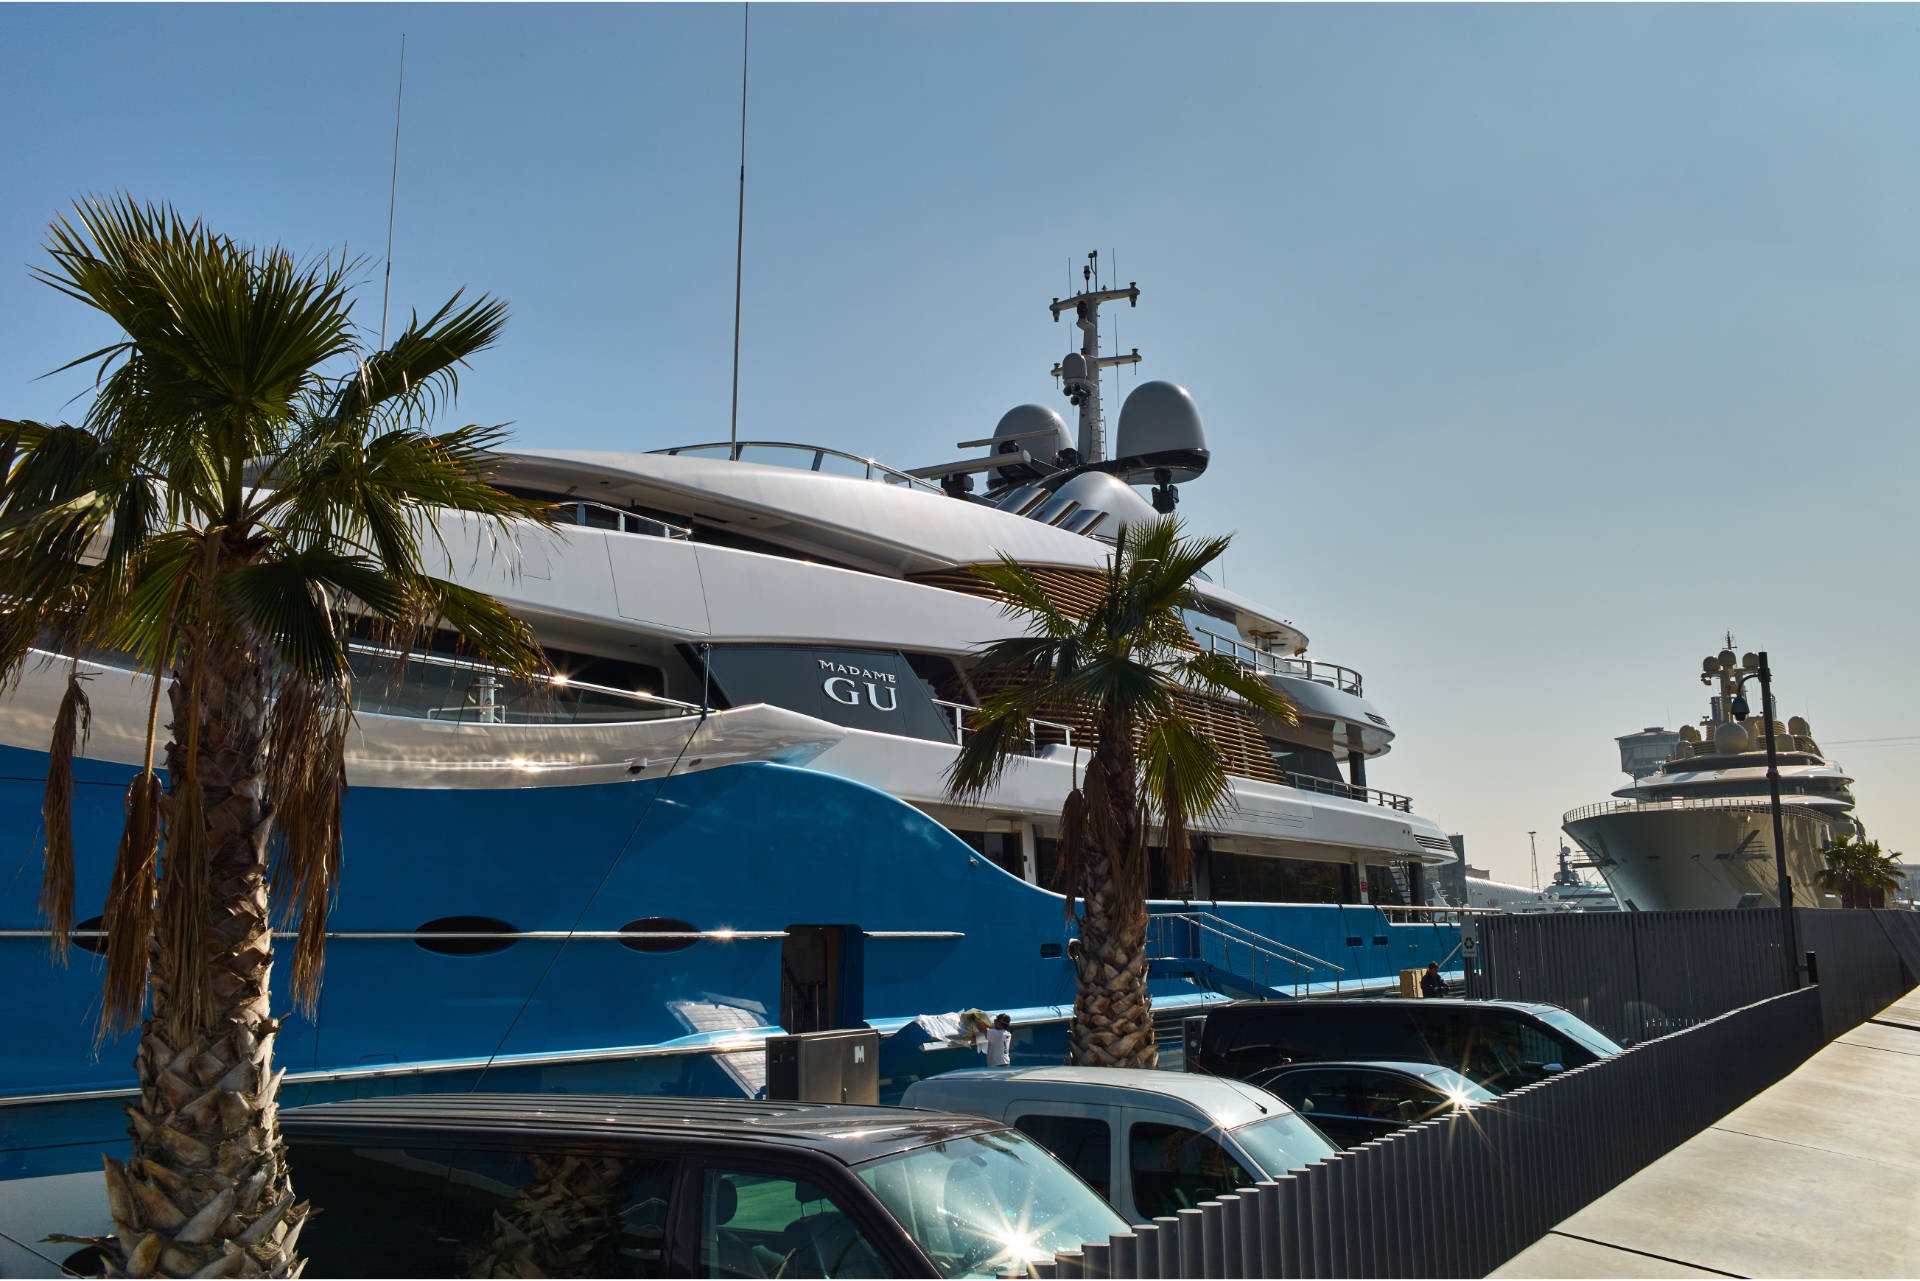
(1754, 666)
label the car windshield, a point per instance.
(1283, 1142)
(1459, 1089)
(1587, 1036)
(988, 1202)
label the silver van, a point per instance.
(1151, 1143)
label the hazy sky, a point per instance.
(1537, 346)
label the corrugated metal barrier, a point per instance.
(1637, 975)
(1459, 1197)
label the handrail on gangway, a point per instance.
(1259, 946)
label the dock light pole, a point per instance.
(1754, 666)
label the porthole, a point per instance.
(635, 934)
(466, 935)
(87, 937)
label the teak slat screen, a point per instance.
(1227, 724)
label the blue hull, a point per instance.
(744, 848)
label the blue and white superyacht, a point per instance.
(727, 815)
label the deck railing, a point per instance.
(1203, 936)
(1327, 786)
(1264, 662)
(1687, 803)
(578, 511)
(785, 453)
(957, 716)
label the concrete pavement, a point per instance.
(1817, 1177)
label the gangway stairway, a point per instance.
(1220, 956)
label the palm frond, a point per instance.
(70, 726)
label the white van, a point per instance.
(1150, 1142)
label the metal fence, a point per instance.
(1637, 975)
(1459, 1197)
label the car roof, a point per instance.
(1375, 1002)
(1406, 1066)
(851, 1133)
(1228, 1102)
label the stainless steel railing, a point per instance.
(1263, 662)
(784, 453)
(1371, 795)
(1700, 803)
(957, 714)
(1188, 935)
(592, 515)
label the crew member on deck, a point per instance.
(1431, 984)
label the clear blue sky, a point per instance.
(1537, 346)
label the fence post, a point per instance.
(1288, 1227)
(1253, 1256)
(1071, 1263)
(1122, 1259)
(1193, 1237)
(1168, 1244)
(1096, 1259)
(1146, 1252)
(1232, 1257)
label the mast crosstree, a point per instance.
(1079, 371)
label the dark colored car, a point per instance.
(582, 1185)
(1354, 1102)
(1501, 1045)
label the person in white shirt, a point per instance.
(1000, 1042)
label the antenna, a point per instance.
(1534, 850)
(1079, 372)
(393, 189)
(740, 232)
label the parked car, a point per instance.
(1501, 1045)
(582, 1185)
(1354, 1102)
(1151, 1143)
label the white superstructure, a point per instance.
(1696, 831)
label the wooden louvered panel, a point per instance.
(1073, 591)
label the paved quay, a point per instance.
(1817, 1177)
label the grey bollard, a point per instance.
(1320, 1228)
(1072, 1264)
(1193, 1236)
(1213, 1222)
(1266, 1226)
(1122, 1255)
(1366, 1159)
(1169, 1245)
(1307, 1192)
(1095, 1259)
(1146, 1251)
(1286, 1226)
(1252, 1262)
(1231, 1262)
(1044, 1269)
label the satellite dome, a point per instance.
(1015, 432)
(1099, 491)
(1688, 734)
(1073, 366)
(1160, 431)
(1798, 726)
(1731, 738)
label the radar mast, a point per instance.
(1079, 371)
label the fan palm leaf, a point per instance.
(246, 487)
(1124, 664)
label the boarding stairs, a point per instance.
(1221, 956)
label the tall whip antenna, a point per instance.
(393, 189)
(740, 233)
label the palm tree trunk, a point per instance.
(1112, 1013)
(206, 1191)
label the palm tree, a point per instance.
(1128, 667)
(1859, 873)
(244, 488)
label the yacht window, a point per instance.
(466, 935)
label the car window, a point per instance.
(768, 1225)
(469, 1212)
(985, 1204)
(382, 1210)
(1316, 1091)
(1388, 1096)
(1175, 1168)
(520, 1213)
(1583, 1034)
(1084, 1143)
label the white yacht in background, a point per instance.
(1694, 827)
(1573, 892)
